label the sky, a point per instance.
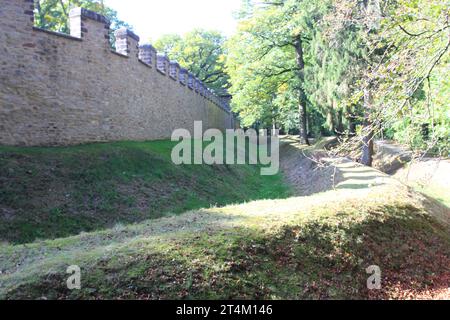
(152, 18)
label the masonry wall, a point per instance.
(57, 89)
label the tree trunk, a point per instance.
(373, 13)
(368, 131)
(367, 149)
(298, 44)
(330, 120)
(351, 124)
(303, 119)
(340, 124)
(309, 125)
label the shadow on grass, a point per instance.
(319, 259)
(49, 193)
(310, 171)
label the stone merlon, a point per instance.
(126, 33)
(147, 54)
(88, 14)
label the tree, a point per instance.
(410, 84)
(203, 53)
(404, 89)
(354, 25)
(335, 65)
(377, 67)
(261, 83)
(268, 31)
(54, 14)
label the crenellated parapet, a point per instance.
(73, 88)
(127, 44)
(162, 63)
(191, 81)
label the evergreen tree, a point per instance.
(269, 55)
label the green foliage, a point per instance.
(335, 64)
(265, 73)
(54, 14)
(396, 50)
(412, 85)
(202, 53)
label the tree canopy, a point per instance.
(368, 68)
(54, 14)
(202, 52)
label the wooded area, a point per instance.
(368, 69)
(354, 69)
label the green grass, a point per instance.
(315, 247)
(438, 193)
(124, 195)
(49, 193)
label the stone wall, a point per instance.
(58, 89)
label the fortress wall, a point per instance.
(57, 89)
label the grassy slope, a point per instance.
(440, 194)
(48, 193)
(428, 175)
(307, 247)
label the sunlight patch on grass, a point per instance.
(261, 249)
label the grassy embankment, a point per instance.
(296, 248)
(57, 192)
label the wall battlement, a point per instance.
(68, 89)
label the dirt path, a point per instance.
(427, 172)
(398, 160)
(310, 171)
